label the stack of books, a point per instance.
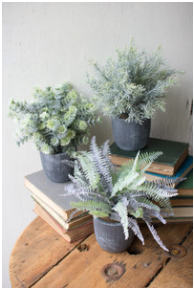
(175, 162)
(55, 209)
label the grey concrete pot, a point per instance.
(110, 236)
(54, 168)
(130, 136)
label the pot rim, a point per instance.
(106, 222)
(124, 119)
(54, 155)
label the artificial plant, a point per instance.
(57, 120)
(134, 85)
(124, 194)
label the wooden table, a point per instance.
(43, 259)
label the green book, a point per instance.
(174, 154)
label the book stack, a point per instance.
(175, 162)
(55, 209)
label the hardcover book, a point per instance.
(181, 214)
(174, 154)
(182, 172)
(176, 202)
(185, 188)
(67, 225)
(51, 193)
(71, 235)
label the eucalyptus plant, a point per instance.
(134, 85)
(121, 194)
(57, 120)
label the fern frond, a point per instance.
(147, 213)
(123, 170)
(133, 205)
(135, 185)
(88, 170)
(134, 193)
(102, 165)
(165, 203)
(167, 213)
(71, 215)
(135, 228)
(93, 207)
(124, 182)
(81, 187)
(121, 209)
(146, 203)
(105, 149)
(156, 192)
(168, 183)
(146, 159)
(156, 237)
(149, 157)
(135, 162)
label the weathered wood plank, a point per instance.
(37, 250)
(83, 269)
(178, 273)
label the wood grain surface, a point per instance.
(37, 250)
(51, 263)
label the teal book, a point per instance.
(182, 172)
(174, 154)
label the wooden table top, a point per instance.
(43, 259)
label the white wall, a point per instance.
(48, 43)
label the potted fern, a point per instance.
(57, 120)
(117, 198)
(130, 90)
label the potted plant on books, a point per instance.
(117, 197)
(130, 90)
(58, 121)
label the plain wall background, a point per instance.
(48, 43)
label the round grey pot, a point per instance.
(110, 236)
(130, 136)
(54, 168)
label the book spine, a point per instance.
(70, 235)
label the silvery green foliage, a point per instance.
(123, 194)
(57, 120)
(134, 85)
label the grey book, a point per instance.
(51, 193)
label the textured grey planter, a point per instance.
(110, 236)
(54, 168)
(130, 136)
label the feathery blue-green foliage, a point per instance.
(57, 120)
(122, 194)
(134, 85)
